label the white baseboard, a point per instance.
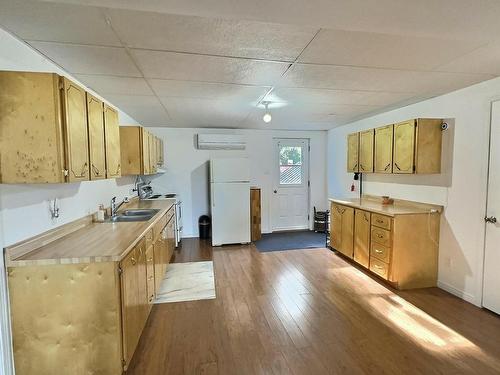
(457, 292)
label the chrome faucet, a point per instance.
(115, 207)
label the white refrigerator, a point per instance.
(230, 200)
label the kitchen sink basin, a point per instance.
(138, 212)
(132, 215)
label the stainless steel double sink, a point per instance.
(130, 215)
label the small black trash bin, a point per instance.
(204, 226)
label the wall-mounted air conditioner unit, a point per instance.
(221, 142)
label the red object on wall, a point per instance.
(353, 188)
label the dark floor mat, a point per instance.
(290, 241)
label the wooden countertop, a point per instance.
(399, 207)
(93, 242)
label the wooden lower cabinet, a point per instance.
(402, 249)
(362, 221)
(90, 315)
(342, 229)
(255, 214)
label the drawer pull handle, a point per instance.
(133, 261)
(380, 236)
(380, 221)
(379, 267)
(378, 251)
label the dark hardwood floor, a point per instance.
(310, 312)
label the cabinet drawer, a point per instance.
(379, 267)
(381, 236)
(381, 221)
(380, 252)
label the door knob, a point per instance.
(275, 191)
(491, 219)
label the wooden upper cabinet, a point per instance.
(153, 152)
(362, 235)
(428, 145)
(31, 134)
(146, 161)
(159, 147)
(97, 148)
(44, 129)
(352, 152)
(404, 147)
(412, 146)
(76, 134)
(138, 151)
(112, 131)
(366, 139)
(383, 149)
(341, 235)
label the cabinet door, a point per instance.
(362, 237)
(404, 147)
(75, 122)
(97, 150)
(142, 285)
(113, 156)
(145, 152)
(31, 134)
(342, 229)
(366, 139)
(383, 149)
(352, 152)
(150, 272)
(131, 150)
(152, 153)
(130, 305)
(159, 148)
(170, 240)
(158, 247)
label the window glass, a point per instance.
(290, 165)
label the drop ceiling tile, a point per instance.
(483, 60)
(190, 67)
(213, 36)
(308, 95)
(190, 89)
(374, 79)
(115, 85)
(89, 59)
(191, 112)
(146, 109)
(352, 48)
(45, 21)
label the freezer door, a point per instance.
(230, 205)
(230, 170)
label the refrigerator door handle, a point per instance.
(213, 197)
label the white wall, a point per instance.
(187, 169)
(24, 208)
(461, 188)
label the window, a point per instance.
(290, 165)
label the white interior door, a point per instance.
(491, 286)
(290, 200)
